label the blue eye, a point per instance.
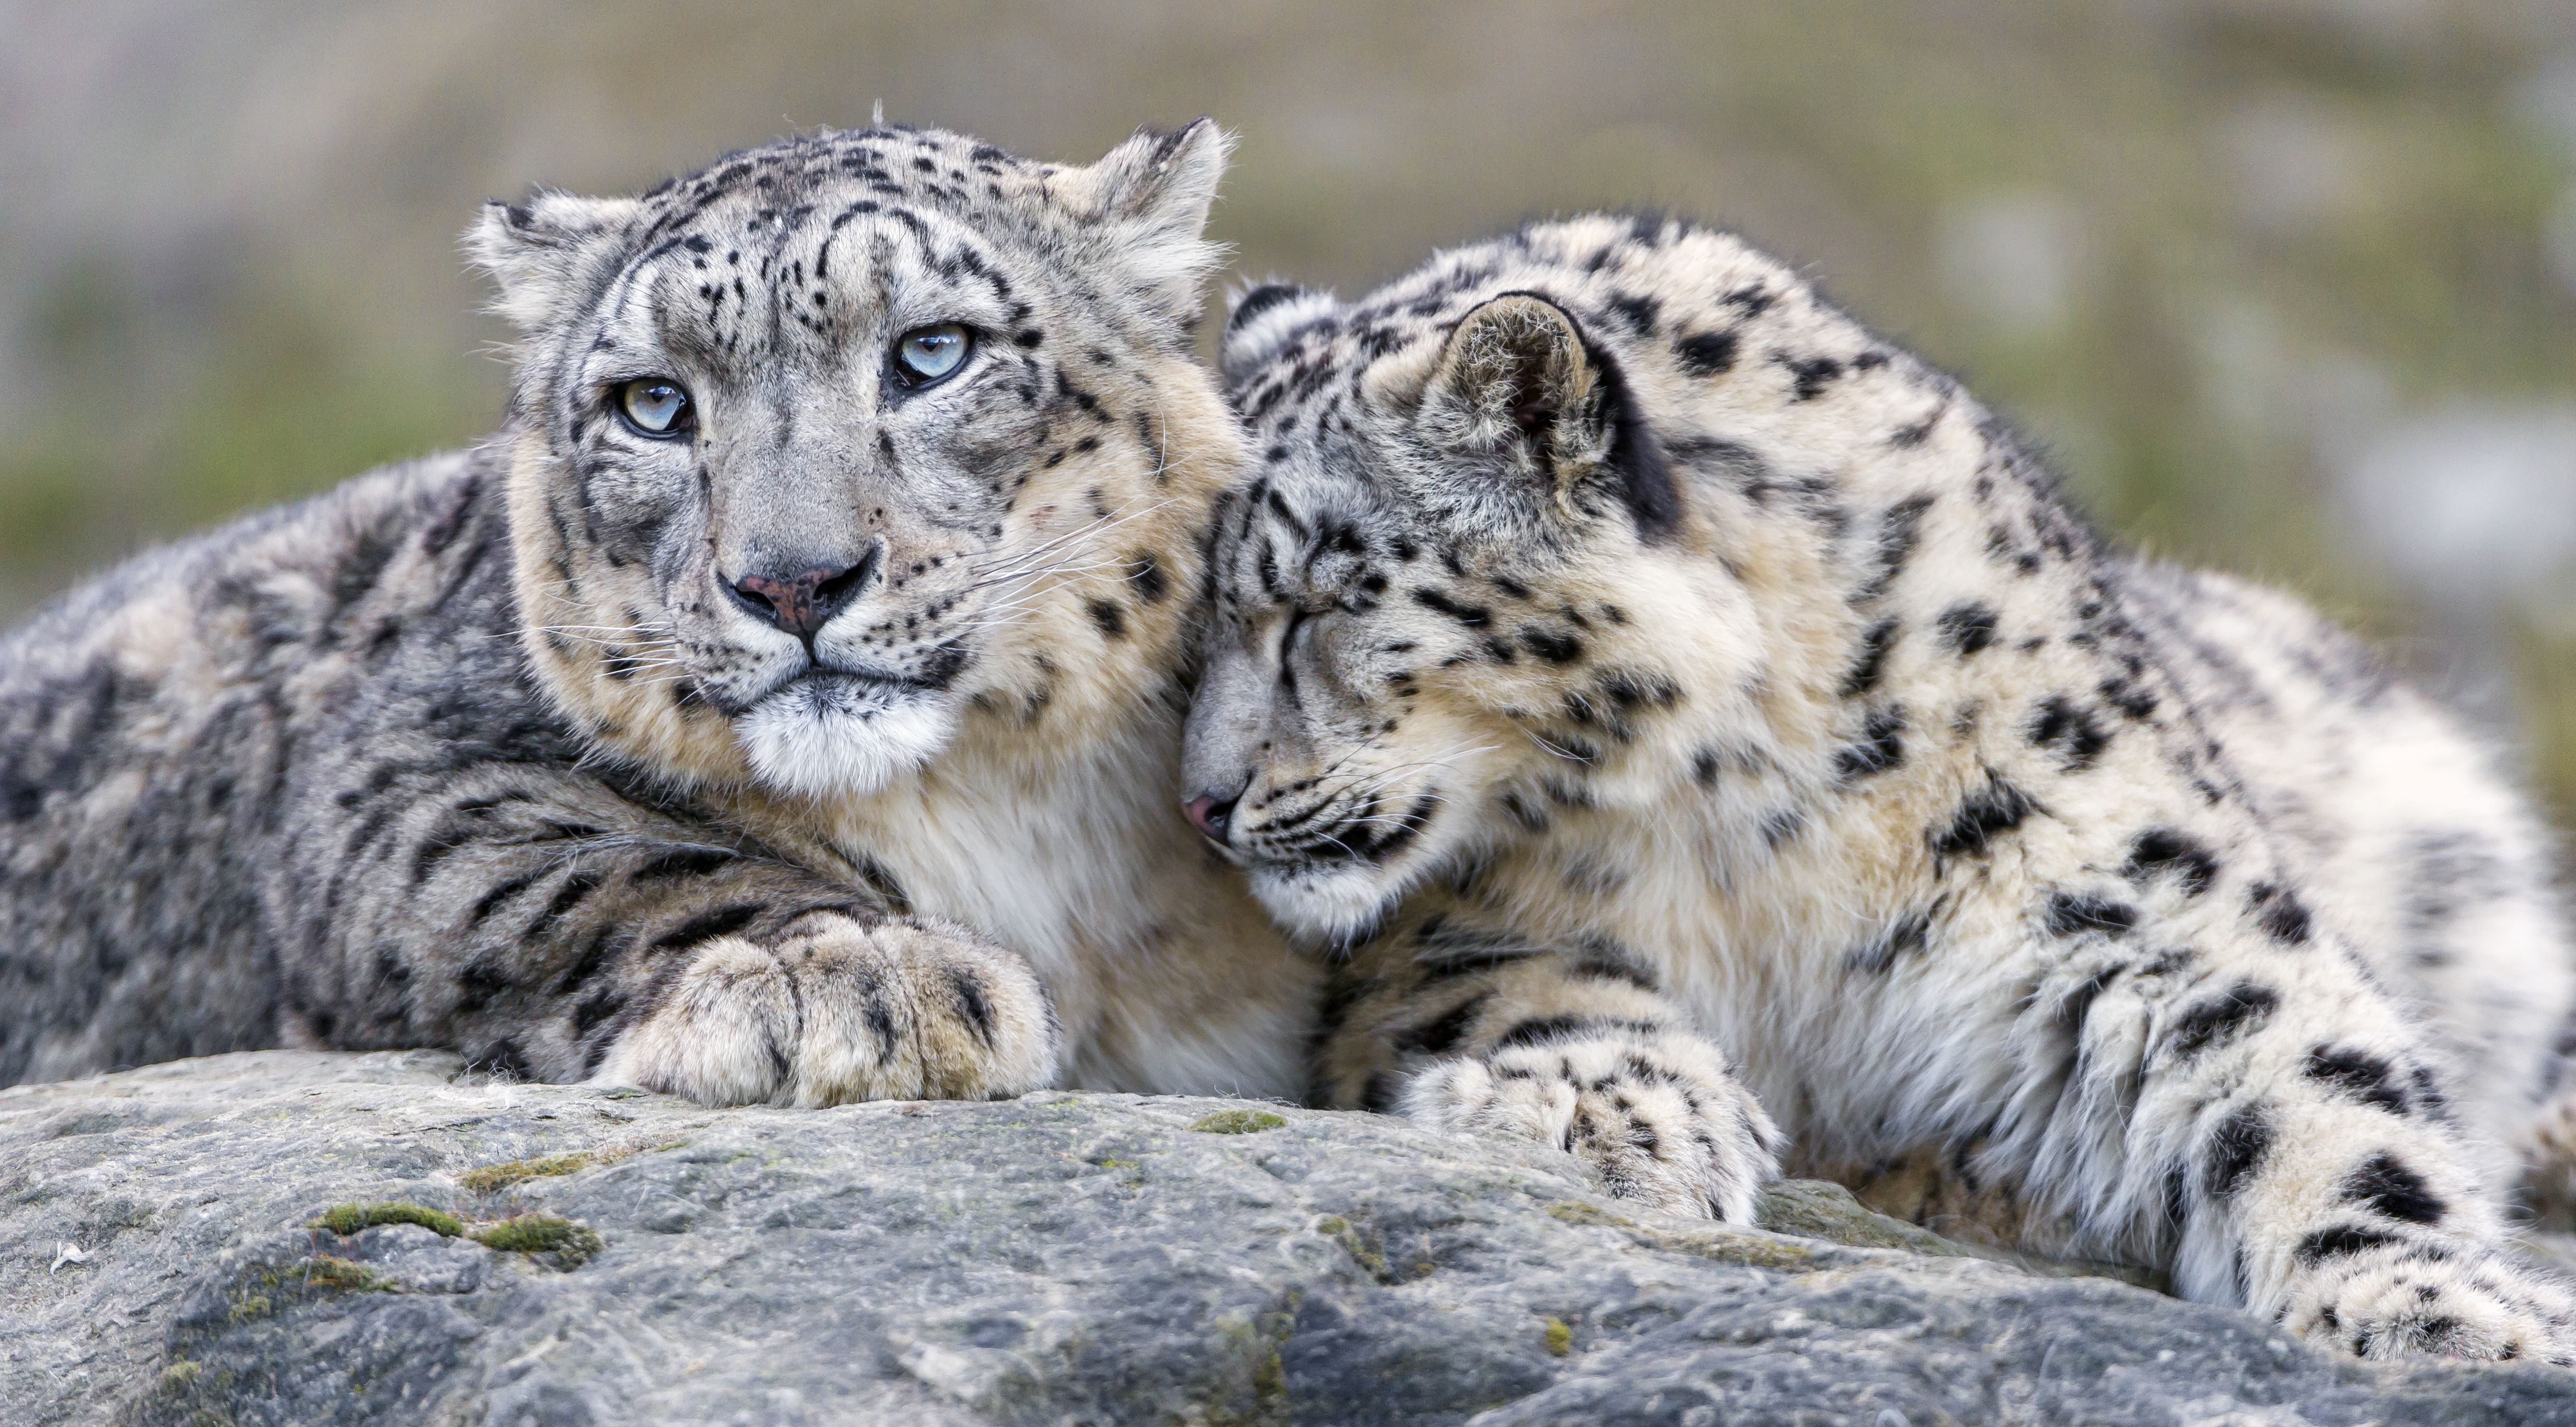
(926, 354)
(655, 406)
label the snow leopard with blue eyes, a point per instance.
(780, 708)
(1709, 736)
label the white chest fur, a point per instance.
(1165, 974)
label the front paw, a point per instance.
(839, 1010)
(1655, 1113)
(2471, 1302)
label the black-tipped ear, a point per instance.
(1152, 194)
(536, 250)
(1519, 388)
(1260, 321)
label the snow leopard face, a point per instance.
(826, 449)
(1446, 607)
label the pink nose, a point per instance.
(1209, 816)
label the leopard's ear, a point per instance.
(1517, 387)
(1259, 321)
(538, 251)
(1151, 195)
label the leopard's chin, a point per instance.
(829, 735)
(1378, 860)
(1335, 903)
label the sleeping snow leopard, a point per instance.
(820, 599)
(1692, 715)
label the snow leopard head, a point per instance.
(848, 444)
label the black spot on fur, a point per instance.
(1146, 574)
(593, 1010)
(1968, 628)
(1472, 616)
(2221, 1019)
(1469, 960)
(607, 940)
(2429, 1094)
(1871, 663)
(1639, 312)
(1261, 299)
(2073, 733)
(2280, 913)
(2236, 1150)
(972, 1006)
(1709, 354)
(1782, 827)
(1440, 1036)
(576, 887)
(1906, 937)
(1881, 745)
(1812, 373)
(707, 926)
(2359, 1074)
(1988, 813)
(2339, 1242)
(2162, 850)
(2388, 1186)
(1900, 530)
(499, 893)
(1551, 646)
(1553, 1028)
(1111, 619)
(2070, 915)
(1606, 961)
(681, 862)
(2122, 694)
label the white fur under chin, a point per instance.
(832, 737)
(1329, 906)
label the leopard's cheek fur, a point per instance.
(1446, 701)
(1343, 756)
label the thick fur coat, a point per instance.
(1713, 737)
(567, 754)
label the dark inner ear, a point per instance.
(1645, 481)
(1506, 356)
(1534, 408)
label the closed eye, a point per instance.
(1288, 632)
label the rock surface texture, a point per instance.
(290, 1237)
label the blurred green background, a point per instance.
(2286, 286)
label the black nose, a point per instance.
(1210, 815)
(803, 603)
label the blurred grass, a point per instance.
(293, 403)
(2287, 223)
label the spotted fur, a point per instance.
(1624, 654)
(493, 752)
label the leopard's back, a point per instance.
(155, 724)
(2414, 837)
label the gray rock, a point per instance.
(617, 1257)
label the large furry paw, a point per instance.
(838, 1010)
(2473, 1302)
(1655, 1113)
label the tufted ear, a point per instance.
(1258, 322)
(1517, 386)
(537, 251)
(1152, 195)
